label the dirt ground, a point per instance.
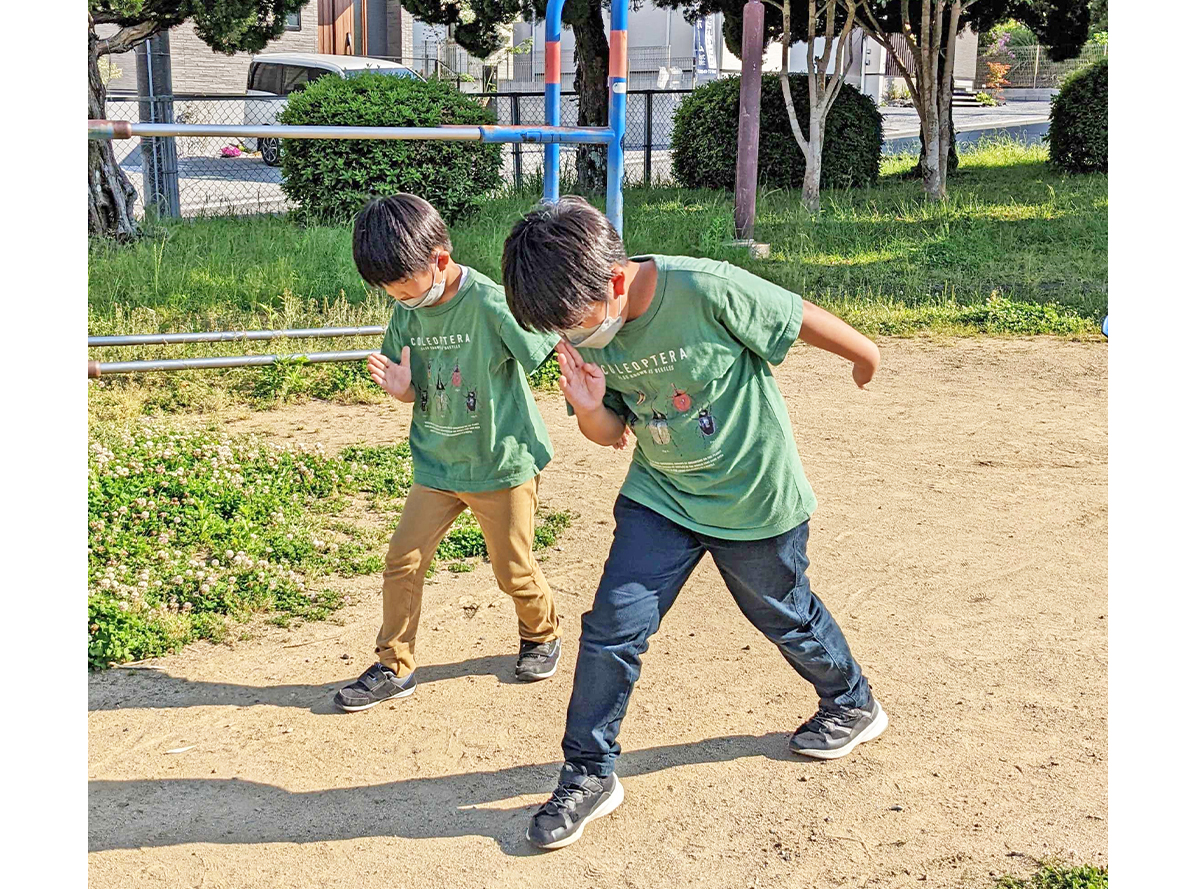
(960, 541)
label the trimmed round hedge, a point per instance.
(705, 128)
(1078, 137)
(331, 179)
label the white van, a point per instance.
(282, 73)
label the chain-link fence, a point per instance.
(229, 176)
(1030, 68)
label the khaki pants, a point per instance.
(507, 520)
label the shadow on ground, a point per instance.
(152, 813)
(132, 689)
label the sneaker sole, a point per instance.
(535, 677)
(609, 805)
(879, 725)
(358, 709)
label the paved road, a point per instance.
(209, 184)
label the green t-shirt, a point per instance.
(475, 425)
(714, 449)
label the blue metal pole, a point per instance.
(552, 96)
(617, 86)
(120, 129)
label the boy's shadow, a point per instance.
(129, 689)
(148, 813)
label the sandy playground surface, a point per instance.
(960, 541)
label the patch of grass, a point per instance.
(1054, 875)
(188, 531)
(1016, 249)
(550, 526)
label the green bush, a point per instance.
(1078, 136)
(331, 179)
(706, 124)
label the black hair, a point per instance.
(557, 261)
(394, 237)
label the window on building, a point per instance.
(294, 22)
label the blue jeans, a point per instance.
(650, 560)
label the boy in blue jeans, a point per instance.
(677, 350)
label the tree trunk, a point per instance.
(814, 168)
(932, 173)
(110, 194)
(590, 83)
(953, 157)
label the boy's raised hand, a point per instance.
(582, 383)
(394, 378)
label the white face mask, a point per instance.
(435, 292)
(598, 336)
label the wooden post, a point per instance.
(750, 119)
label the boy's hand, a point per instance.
(862, 373)
(623, 439)
(394, 378)
(582, 383)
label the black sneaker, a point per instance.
(834, 731)
(376, 685)
(578, 800)
(537, 660)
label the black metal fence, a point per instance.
(221, 176)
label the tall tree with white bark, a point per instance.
(933, 50)
(830, 20)
(929, 28)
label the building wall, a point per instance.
(965, 67)
(647, 26)
(400, 30)
(196, 68)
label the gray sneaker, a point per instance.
(376, 685)
(537, 660)
(835, 731)
(578, 800)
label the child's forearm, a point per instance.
(824, 330)
(408, 397)
(602, 426)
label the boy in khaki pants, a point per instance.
(453, 351)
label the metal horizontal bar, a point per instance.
(225, 336)
(127, 96)
(124, 129)
(240, 97)
(100, 368)
(549, 135)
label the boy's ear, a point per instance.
(442, 259)
(619, 280)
